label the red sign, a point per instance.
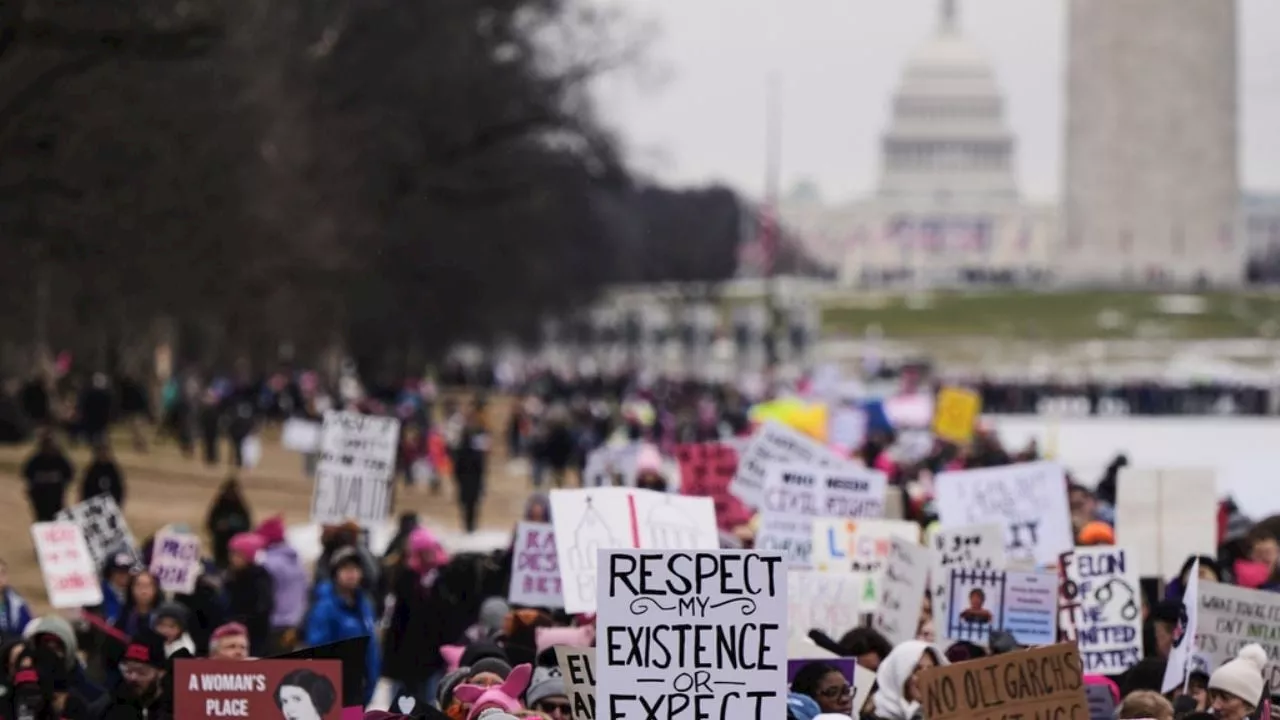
(295, 689)
(706, 469)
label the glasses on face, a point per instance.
(552, 708)
(836, 692)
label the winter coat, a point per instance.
(227, 518)
(412, 651)
(333, 619)
(47, 476)
(290, 581)
(103, 478)
(206, 607)
(113, 707)
(15, 615)
(250, 598)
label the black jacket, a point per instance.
(103, 478)
(250, 595)
(113, 707)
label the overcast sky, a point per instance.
(697, 114)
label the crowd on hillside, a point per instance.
(440, 622)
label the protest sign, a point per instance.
(588, 520)
(978, 547)
(1185, 634)
(577, 667)
(706, 469)
(301, 435)
(794, 495)
(70, 575)
(220, 689)
(956, 413)
(902, 589)
(1230, 617)
(857, 545)
(105, 530)
(832, 602)
(611, 466)
(1022, 604)
(1028, 499)
(692, 634)
(1041, 682)
(776, 443)
(175, 561)
(535, 569)
(1101, 605)
(1166, 516)
(356, 469)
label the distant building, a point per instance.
(1261, 223)
(948, 210)
(1152, 184)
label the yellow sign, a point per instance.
(956, 414)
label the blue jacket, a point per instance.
(16, 614)
(332, 620)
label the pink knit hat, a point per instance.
(421, 542)
(247, 545)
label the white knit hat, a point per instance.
(1242, 677)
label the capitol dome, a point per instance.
(948, 135)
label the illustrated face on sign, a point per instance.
(295, 704)
(305, 695)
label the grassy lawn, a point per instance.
(1073, 315)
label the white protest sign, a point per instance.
(776, 443)
(1100, 606)
(902, 587)
(1166, 516)
(301, 435)
(832, 602)
(690, 635)
(795, 495)
(70, 574)
(105, 530)
(175, 561)
(356, 469)
(1230, 617)
(611, 465)
(980, 547)
(1185, 636)
(857, 545)
(535, 569)
(577, 667)
(1024, 604)
(592, 519)
(1028, 499)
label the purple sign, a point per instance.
(844, 665)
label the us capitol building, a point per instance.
(1145, 200)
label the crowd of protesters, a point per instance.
(442, 632)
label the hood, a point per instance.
(59, 628)
(272, 530)
(892, 678)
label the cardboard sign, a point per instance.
(1022, 604)
(105, 530)
(1100, 607)
(978, 547)
(577, 666)
(902, 587)
(1039, 683)
(535, 569)
(175, 561)
(1230, 617)
(832, 602)
(70, 575)
(589, 520)
(776, 443)
(706, 469)
(956, 413)
(683, 632)
(1028, 499)
(356, 469)
(1166, 516)
(221, 689)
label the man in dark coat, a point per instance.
(141, 692)
(47, 474)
